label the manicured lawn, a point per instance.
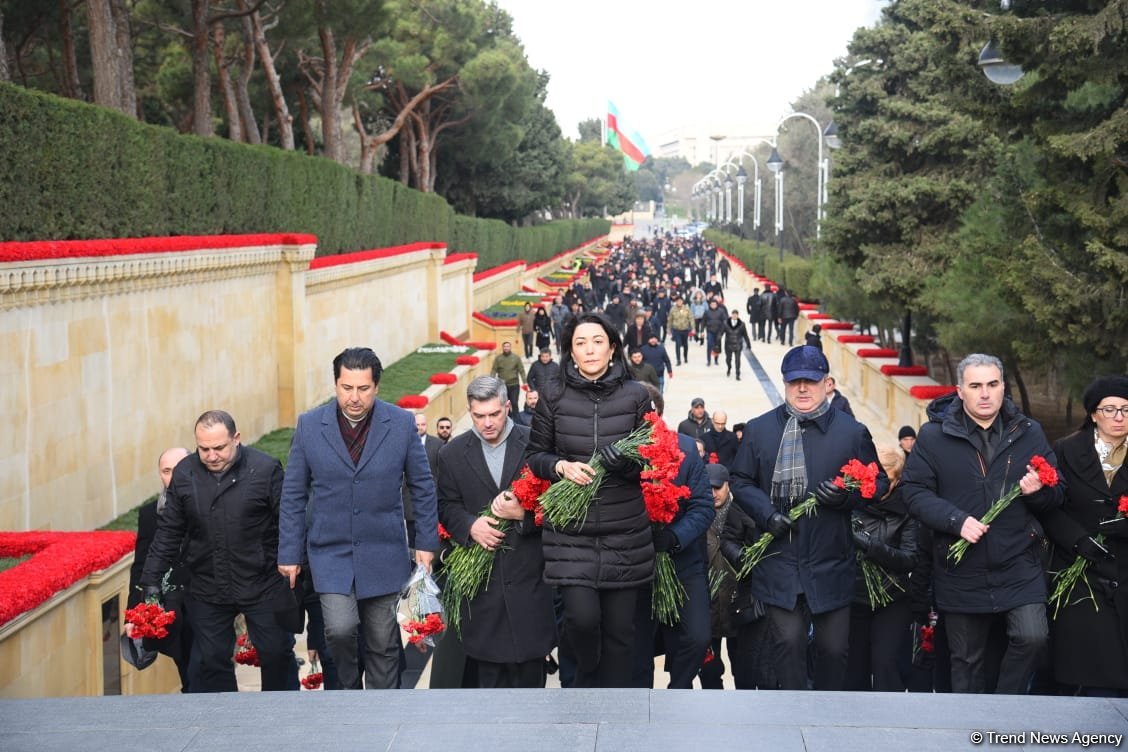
(8, 563)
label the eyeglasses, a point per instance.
(1110, 412)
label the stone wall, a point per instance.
(112, 349)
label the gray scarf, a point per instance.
(789, 481)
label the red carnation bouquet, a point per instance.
(1066, 580)
(245, 653)
(419, 610)
(1047, 473)
(663, 498)
(149, 619)
(856, 476)
(315, 678)
(468, 567)
(566, 502)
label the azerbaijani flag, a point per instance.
(634, 149)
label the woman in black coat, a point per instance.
(600, 564)
(885, 535)
(542, 328)
(1090, 640)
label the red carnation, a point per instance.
(1047, 473)
(444, 534)
(1122, 506)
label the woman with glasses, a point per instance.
(1090, 631)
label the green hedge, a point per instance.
(794, 273)
(70, 170)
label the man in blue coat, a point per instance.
(342, 512)
(787, 454)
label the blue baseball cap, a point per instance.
(804, 362)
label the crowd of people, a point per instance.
(862, 592)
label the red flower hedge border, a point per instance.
(929, 392)
(892, 370)
(856, 339)
(413, 402)
(834, 325)
(58, 560)
(444, 378)
(482, 345)
(38, 250)
(876, 352)
(467, 360)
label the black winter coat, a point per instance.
(612, 548)
(696, 512)
(736, 336)
(715, 319)
(231, 526)
(891, 543)
(511, 619)
(542, 377)
(818, 559)
(946, 480)
(1090, 646)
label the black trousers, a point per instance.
(831, 645)
(523, 675)
(730, 356)
(599, 628)
(527, 341)
(969, 637)
(681, 345)
(514, 392)
(877, 641)
(684, 643)
(213, 630)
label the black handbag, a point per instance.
(745, 608)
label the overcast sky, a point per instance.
(720, 65)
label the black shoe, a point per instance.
(738, 377)
(728, 372)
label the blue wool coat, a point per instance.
(347, 520)
(816, 560)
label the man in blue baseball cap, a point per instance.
(788, 454)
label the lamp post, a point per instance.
(741, 179)
(775, 164)
(823, 168)
(728, 199)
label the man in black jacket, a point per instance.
(544, 374)
(224, 500)
(509, 627)
(975, 448)
(807, 575)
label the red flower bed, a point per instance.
(450, 339)
(808, 307)
(467, 360)
(482, 345)
(444, 378)
(554, 283)
(58, 561)
(376, 253)
(819, 316)
(413, 402)
(876, 352)
(904, 370)
(834, 325)
(931, 392)
(858, 339)
(56, 249)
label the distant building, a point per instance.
(697, 145)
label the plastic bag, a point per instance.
(419, 611)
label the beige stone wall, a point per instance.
(494, 287)
(109, 360)
(55, 650)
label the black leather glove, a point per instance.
(665, 540)
(862, 540)
(1091, 550)
(829, 495)
(1115, 528)
(614, 461)
(150, 593)
(779, 525)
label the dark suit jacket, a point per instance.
(511, 619)
(431, 445)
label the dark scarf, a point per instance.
(789, 480)
(354, 436)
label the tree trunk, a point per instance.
(5, 74)
(243, 82)
(273, 83)
(234, 123)
(367, 143)
(330, 114)
(123, 53)
(1023, 392)
(102, 40)
(407, 153)
(201, 73)
(303, 118)
(71, 86)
